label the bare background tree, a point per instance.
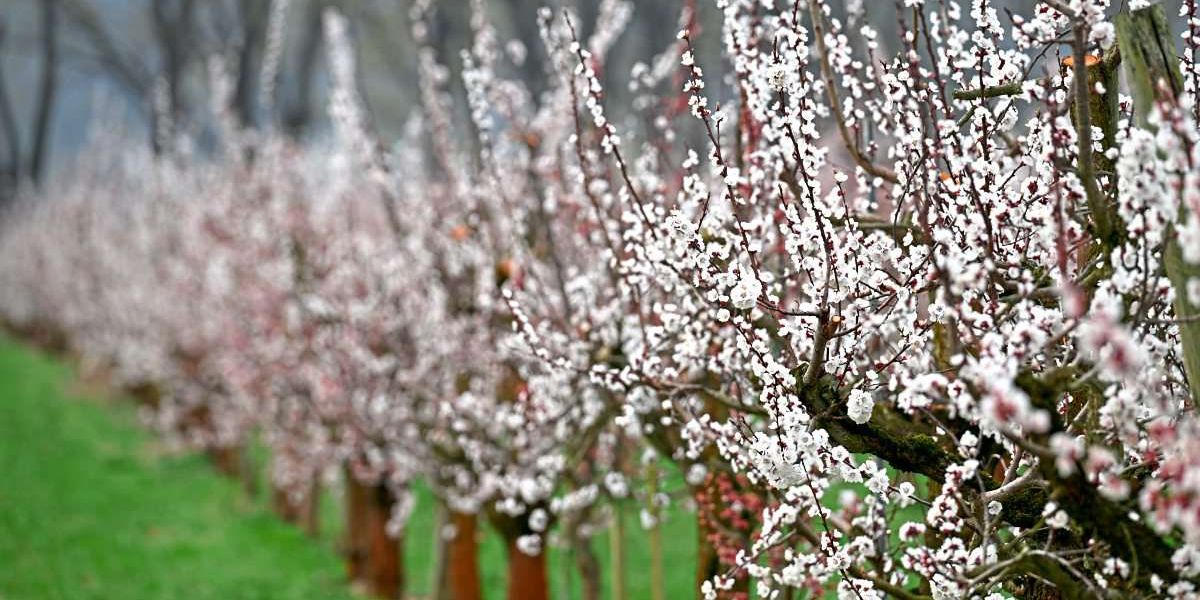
(49, 88)
(12, 146)
(58, 56)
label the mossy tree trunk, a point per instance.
(1152, 68)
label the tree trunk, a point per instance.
(384, 574)
(373, 557)
(707, 565)
(227, 460)
(253, 15)
(11, 171)
(249, 470)
(302, 512)
(462, 559)
(589, 569)
(49, 87)
(356, 511)
(285, 506)
(1148, 53)
(439, 548)
(616, 548)
(710, 527)
(527, 578)
(707, 494)
(658, 590)
(312, 510)
(299, 114)
(173, 33)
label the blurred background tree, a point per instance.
(65, 64)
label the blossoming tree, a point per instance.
(959, 305)
(916, 318)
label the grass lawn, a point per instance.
(92, 507)
(679, 557)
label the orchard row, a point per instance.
(914, 318)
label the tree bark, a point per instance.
(312, 510)
(461, 577)
(384, 574)
(174, 33)
(249, 470)
(711, 530)
(253, 15)
(586, 562)
(708, 494)
(299, 114)
(124, 69)
(440, 548)
(227, 460)
(49, 88)
(1152, 66)
(616, 547)
(707, 564)
(527, 578)
(658, 590)
(589, 569)
(10, 172)
(373, 557)
(303, 512)
(1102, 113)
(356, 510)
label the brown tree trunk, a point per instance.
(249, 471)
(527, 577)
(302, 512)
(709, 527)
(285, 507)
(147, 395)
(312, 510)
(227, 460)
(384, 574)
(526, 574)
(1038, 590)
(356, 512)
(462, 559)
(707, 565)
(373, 557)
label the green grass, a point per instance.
(92, 507)
(679, 556)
